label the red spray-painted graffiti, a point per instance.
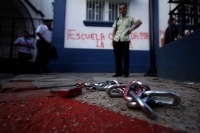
(101, 37)
(72, 35)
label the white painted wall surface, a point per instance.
(45, 6)
(76, 13)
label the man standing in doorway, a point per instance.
(172, 32)
(44, 36)
(122, 28)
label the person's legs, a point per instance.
(45, 61)
(42, 58)
(39, 57)
(118, 58)
(44, 67)
(24, 63)
(37, 64)
(126, 54)
(18, 65)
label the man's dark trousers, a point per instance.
(121, 52)
(42, 57)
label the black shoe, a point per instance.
(126, 75)
(117, 75)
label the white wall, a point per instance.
(76, 13)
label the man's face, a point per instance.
(26, 35)
(49, 24)
(123, 10)
(174, 21)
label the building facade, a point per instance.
(82, 34)
(82, 31)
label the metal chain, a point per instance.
(138, 94)
(97, 86)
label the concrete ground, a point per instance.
(183, 118)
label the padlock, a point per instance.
(69, 92)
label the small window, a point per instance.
(113, 11)
(104, 10)
(95, 10)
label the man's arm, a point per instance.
(113, 33)
(24, 45)
(136, 25)
(32, 45)
(42, 38)
(18, 42)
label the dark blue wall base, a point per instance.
(90, 60)
(77, 66)
(92, 68)
(180, 60)
(80, 68)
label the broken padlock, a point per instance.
(68, 92)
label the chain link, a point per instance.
(138, 94)
(97, 86)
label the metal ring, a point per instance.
(135, 105)
(104, 85)
(137, 86)
(112, 82)
(148, 111)
(119, 87)
(176, 97)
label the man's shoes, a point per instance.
(117, 75)
(126, 76)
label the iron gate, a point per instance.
(10, 30)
